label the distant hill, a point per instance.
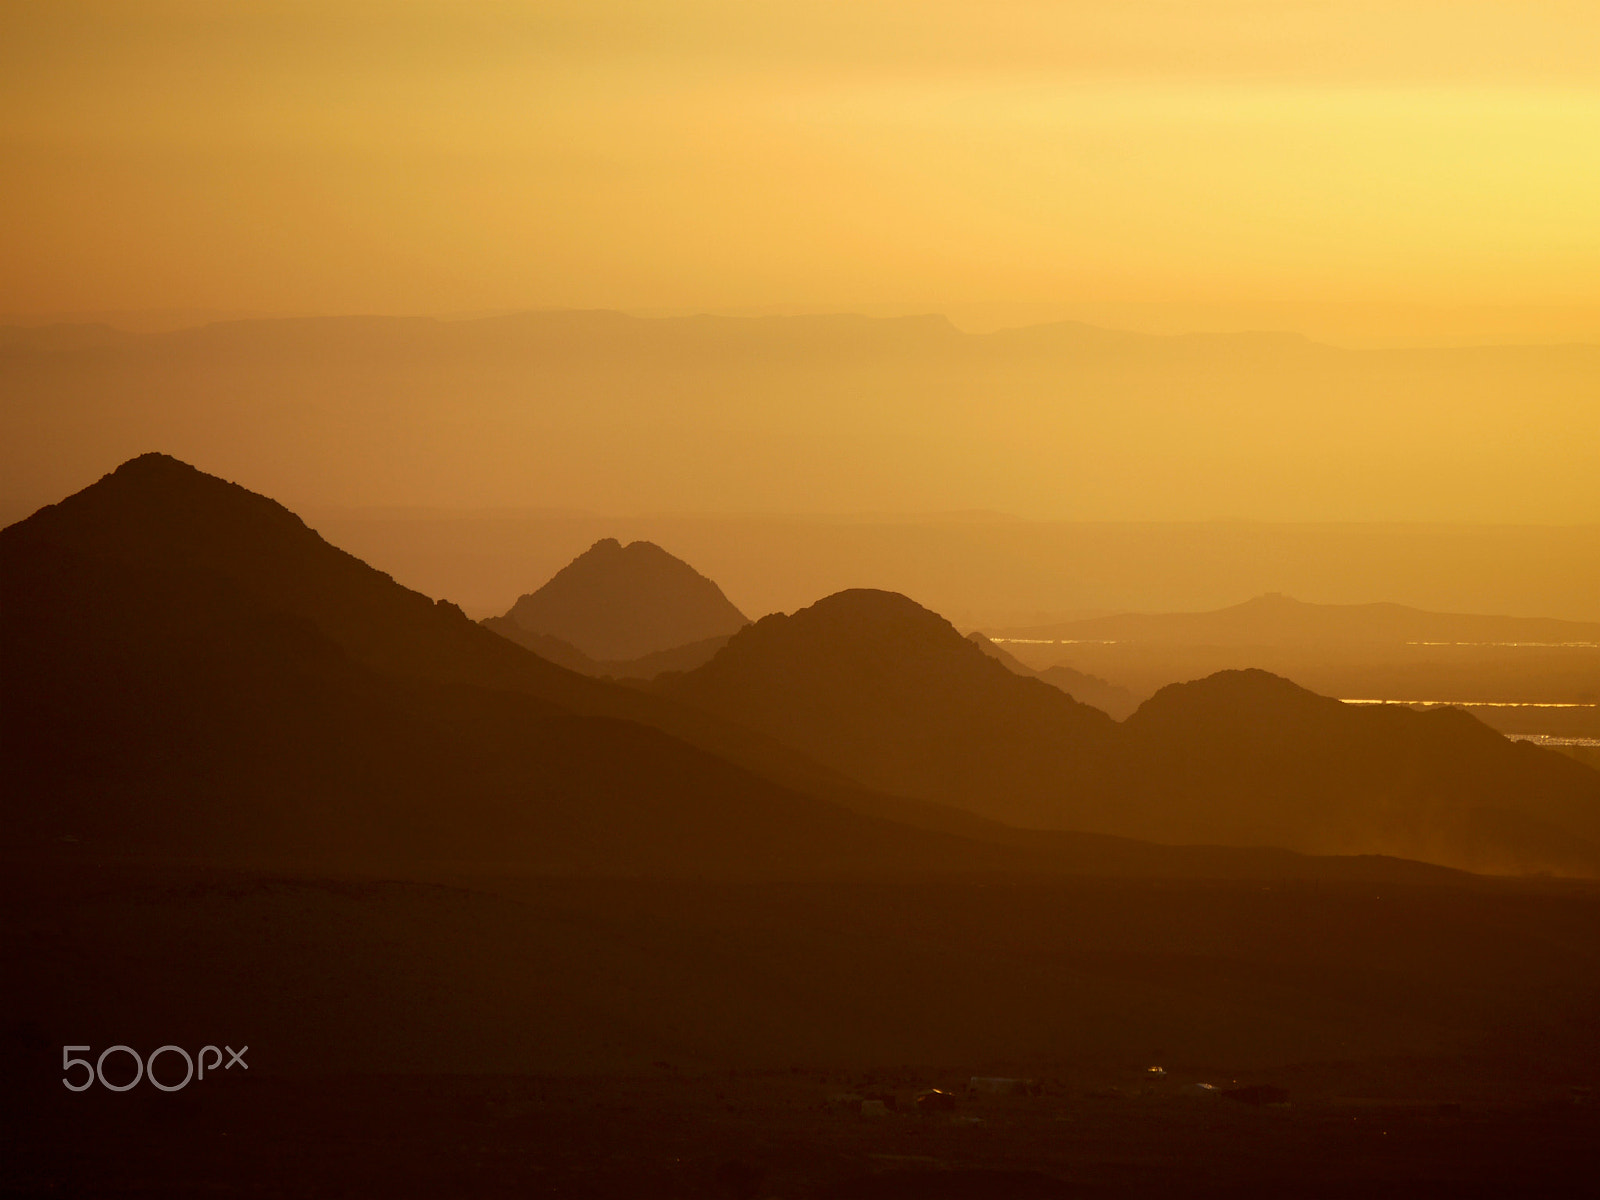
(881, 688)
(1088, 689)
(876, 686)
(1246, 756)
(1273, 620)
(616, 603)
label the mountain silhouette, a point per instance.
(193, 672)
(173, 525)
(879, 687)
(616, 603)
(891, 694)
(1259, 759)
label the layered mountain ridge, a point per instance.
(892, 695)
(192, 671)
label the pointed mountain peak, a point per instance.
(616, 603)
(157, 505)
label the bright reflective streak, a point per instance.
(1478, 703)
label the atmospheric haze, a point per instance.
(800, 598)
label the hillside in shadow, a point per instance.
(880, 688)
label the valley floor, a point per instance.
(1415, 1128)
(592, 1038)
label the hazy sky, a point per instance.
(337, 155)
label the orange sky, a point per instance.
(393, 156)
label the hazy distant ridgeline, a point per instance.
(987, 572)
(829, 414)
(1277, 620)
(1520, 675)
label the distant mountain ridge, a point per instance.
(1114, 701)
(593, 409)
(617, 603)
(1274, 619)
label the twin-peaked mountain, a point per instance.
(631, 610)
(619, 602)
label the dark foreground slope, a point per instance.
(878, 687)
(613, 1038)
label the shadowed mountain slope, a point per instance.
(648, 666)
(879, 687)
(874, 685)
(1260, 759)
(616, 603)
